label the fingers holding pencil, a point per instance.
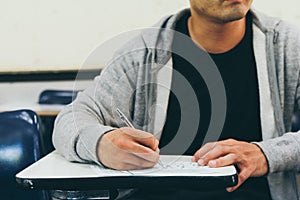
(127, 148)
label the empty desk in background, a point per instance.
(41, 110)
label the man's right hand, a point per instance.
(127, 149)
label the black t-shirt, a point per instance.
(238, 71)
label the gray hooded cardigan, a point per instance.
(124, 83)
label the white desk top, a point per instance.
(55, 166)
(55, 172)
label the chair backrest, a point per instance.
(63, 97)
(20, 146)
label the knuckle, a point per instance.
(220, 149)
(235, 157)
(125, 130)
(230, 140)
(208, 145)
(154, 144)
(120, 143)
(153, 157)
(143, 134)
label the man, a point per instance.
(258, 60)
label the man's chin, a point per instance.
(233, 16)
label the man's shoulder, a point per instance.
(269, 23)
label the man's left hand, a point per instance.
(248, 157)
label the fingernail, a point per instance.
(229, 189)
(201, 162)
(212, 163)
(193, 159)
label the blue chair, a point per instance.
(19, 147)
(62, 97)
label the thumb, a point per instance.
(242, 177)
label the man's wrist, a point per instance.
(265, 161)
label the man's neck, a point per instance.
(216, 37)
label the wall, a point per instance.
(285, 9)
(41, 34)
(60, 34)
